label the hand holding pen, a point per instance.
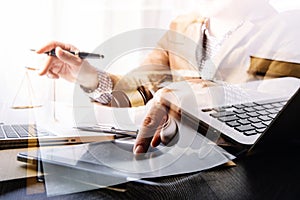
(67, 62)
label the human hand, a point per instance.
(159, 125)
(67, 65)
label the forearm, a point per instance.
(151, 73)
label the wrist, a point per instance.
(102, 91)
(88, 77)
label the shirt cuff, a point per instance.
(102, 93)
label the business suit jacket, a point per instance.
(256, 48)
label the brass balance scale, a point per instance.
(26, 88)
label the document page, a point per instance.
(96, 165)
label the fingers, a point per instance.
(151, 127)
(52, 75)
(166, 134)
(169, 131)
(53, 45)
(63, 58)
(48, 64)
(67, 57)
(52, 70)
(158, 125)
(156, 140)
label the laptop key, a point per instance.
(282, 103)
(2, 136)
(273, 116)
(248, 133)
(253, 114)
(277, 105)
(9, 132)
(249, 104)
(278, 109)
(244, 128)
(244, 121)
(30, 128)
(258, 108)
(239, 111)
(243, 116)
(259, 125)
(21, 132)
(239, 106)
(263, 112)
(260, 130)
(267, 123)
(233, 123)
(265, 118)
(222, 114)
(272, 111)
(228, 118)
(268, 106)
(249, 109)
(254, 119)
(207, 110)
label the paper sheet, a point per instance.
(91, 166)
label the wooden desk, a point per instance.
(10, 168)
(255, 177)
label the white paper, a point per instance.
(91, 166)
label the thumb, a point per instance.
(152, 123)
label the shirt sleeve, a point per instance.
(102, 93)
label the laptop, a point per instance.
(248, 116)
(26, 128)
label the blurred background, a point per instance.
(84, 23)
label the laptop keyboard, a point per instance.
(249, 118)
(22, 131)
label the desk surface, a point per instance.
(10, 168)
(254, 177)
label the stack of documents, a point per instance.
(90, 166)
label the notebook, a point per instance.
(31, 135)
(248, 115)
(19, 128)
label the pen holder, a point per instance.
(132, 98)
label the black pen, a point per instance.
(82, 55)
